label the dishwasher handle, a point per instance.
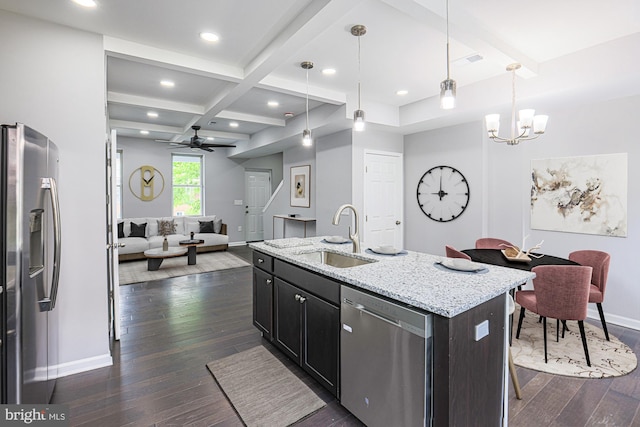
(364, 309)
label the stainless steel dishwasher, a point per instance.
(385, 358)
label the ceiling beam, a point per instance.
(161, 104)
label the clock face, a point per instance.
(443, 193)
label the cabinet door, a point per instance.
(321, 336)
(288, 318)
(263, 302)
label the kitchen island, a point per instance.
(466, 376)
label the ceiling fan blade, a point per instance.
(217, 145)
(210, 150)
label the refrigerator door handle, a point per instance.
(49, 303)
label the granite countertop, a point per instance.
(413, 278)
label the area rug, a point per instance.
(262, 390)
(608, 358)
(136, 271)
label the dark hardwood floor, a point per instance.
(172, 328)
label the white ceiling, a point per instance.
(262, 44)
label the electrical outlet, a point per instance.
(239, 228)
(482, 330)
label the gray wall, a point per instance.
(499, 180)
(587, 129)
(296, 156)
(53, 80)
(457, 146)
(224, 182)
(333, 162)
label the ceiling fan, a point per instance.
(196, 142)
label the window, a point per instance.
(187, 184)
(117, 196)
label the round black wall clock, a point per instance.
(443, 193)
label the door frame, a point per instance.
(113, 282)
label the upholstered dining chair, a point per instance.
(599, 261)
(559, 292)
(492, 243)
(454, 253)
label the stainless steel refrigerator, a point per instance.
(30, 267)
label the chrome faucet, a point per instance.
(354, 237)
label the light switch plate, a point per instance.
(482, 330)
(237, 202)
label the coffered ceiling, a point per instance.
(262, 43)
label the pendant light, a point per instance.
(448, 86)
(358, 115)
(306, 133)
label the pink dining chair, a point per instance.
(454, 253)
(559, 292)
(492, 243)
(599, 261)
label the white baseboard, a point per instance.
(237, 244)
(626, 322)
(83, 365)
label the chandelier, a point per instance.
(527, 120)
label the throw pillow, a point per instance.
(138, 230)
(217, 225)
(121, 230)
(206, 226)
(166, 227)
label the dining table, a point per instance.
(496, 257)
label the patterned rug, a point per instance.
(608, 358)
(136, 271)
(262, 390)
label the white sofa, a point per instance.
(135, 246)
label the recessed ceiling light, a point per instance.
(234, 124)
(329, 71)
(86, 3)
(402, 92)
(273, 103)
(152, 114)
(210, 37)
(167, 83)
(210, 138)
(144, 132)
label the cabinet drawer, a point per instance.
(308, 281)
(263, 261)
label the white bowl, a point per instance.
(335, 239)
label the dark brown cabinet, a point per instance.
(307, 329)
(299, 311)
(263, 294)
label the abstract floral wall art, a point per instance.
(580, 194)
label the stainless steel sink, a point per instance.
(334, 259)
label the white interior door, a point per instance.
(383, 200)
(112, 237)
(257, 192)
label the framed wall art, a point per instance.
(580, 194)
(300, 186)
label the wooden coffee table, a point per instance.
(191, 246)
(157, 255)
